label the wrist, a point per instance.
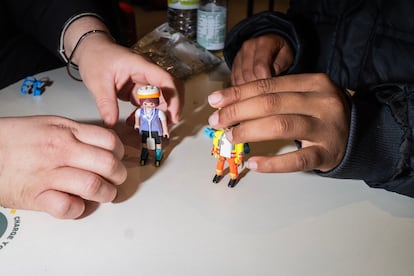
(88, 43)
(76, 29)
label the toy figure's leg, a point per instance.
(158, 149)
(158, 157)
(144, 151)
(234, 172)
(219, 170)
(144, 156)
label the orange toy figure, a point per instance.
(224, 151)
(151, 123)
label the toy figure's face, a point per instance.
(148, 104)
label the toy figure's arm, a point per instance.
(239, 150)
(215, 150)
(164, 125)
(137, 119)
(165, 131)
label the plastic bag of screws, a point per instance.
(175, 53)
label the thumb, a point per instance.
(60, 205)
(105, 96)
(107, 104)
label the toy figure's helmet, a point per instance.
(148, 92)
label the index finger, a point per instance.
(288, 83)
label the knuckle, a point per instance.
(306, 160)
(110, 163)
(237, 93)
(62, 209)
(282, 125)
(53, 145)
(228, 115)
(270, 102)
(92, 186)
(237, 79)
(302, 162)
(59, 140)
(264, 85)
(259, 69)
(247, 74)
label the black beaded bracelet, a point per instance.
(70, 65)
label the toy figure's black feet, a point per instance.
(157, 163)
(217, 178)
(232, 183)
(144, 156)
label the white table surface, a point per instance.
(173, 220)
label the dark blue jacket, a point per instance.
(365, 46)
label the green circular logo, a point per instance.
(9, 226)
(3, 224)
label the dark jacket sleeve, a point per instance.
(380, 148)
(44, 20)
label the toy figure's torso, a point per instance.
(150, 121)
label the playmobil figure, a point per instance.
(223, 150)
(151, 123)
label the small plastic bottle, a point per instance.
(182, 17)
(211, 24)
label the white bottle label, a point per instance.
(211, 29)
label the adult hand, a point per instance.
(261, 58)
(110, 71)
(308, 107)
(53, 164)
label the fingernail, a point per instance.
(252, 165)
(214, 98)
(213, 119)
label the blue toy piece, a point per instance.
(33, 86)
(209, 132)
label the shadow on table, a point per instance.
(194, 118)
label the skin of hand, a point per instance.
(111, 71)
(308, 107)
(58, 166)
(261, 58)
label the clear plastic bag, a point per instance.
(175, 53)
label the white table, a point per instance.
(173, 220)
